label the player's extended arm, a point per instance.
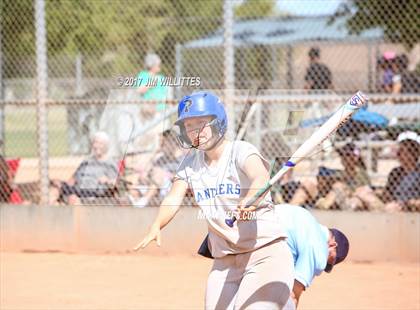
(258, 175)
(298, 288)
(167, 210)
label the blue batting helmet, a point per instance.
(197, 105)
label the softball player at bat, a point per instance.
(314, 247)
(253, 266)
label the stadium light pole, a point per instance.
(41, 96)
(229, 65)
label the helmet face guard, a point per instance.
(198, 105)
(185, 142)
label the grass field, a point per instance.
(21, 134)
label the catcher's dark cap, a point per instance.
(342, 248)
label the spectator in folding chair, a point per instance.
(307, 192)
(340, 189)
(402, 190)
(95, 178)
(155, 182)
(404, 80)
(353, 189)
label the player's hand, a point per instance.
(154, 234)
(245, 213)
(393, 206)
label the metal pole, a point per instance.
(289, 64)
(2, 118)
(42, 94)
(79, 76)
(229, 65)
(375, 70)
(258, 125)
(178, 69)
(370, 69)
(274, 67)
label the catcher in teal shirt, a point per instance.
(315, 248)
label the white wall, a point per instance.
(373, 236)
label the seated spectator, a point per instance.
(6, 183)
(384, 65)
(340, 189)
(353, 187)
(404, 81)
(94, 178)
(306, 192)
(402, 190)
(155, 182)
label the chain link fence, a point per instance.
(115, 70)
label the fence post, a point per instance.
(2, 118)
(371, 64)
(79, 75)
(41, 96)
(258, 125)
(229, 65)
(289, 64)
(178, 69)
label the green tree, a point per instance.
(252, 9)
(18, 37)
(112, 35)
(399, 19)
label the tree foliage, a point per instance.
(252, 9)
(112, 35)
(399, 19)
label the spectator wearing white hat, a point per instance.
(94, 178)
(402, 191)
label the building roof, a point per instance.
(286, 30)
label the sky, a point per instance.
(308, 7)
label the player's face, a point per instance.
(405, 155)
(198, 130)
(332, 249)
(155, 69)
(99, 148)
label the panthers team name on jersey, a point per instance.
(222, 189)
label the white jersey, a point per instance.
(218, 191)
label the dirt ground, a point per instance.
(69, 281)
